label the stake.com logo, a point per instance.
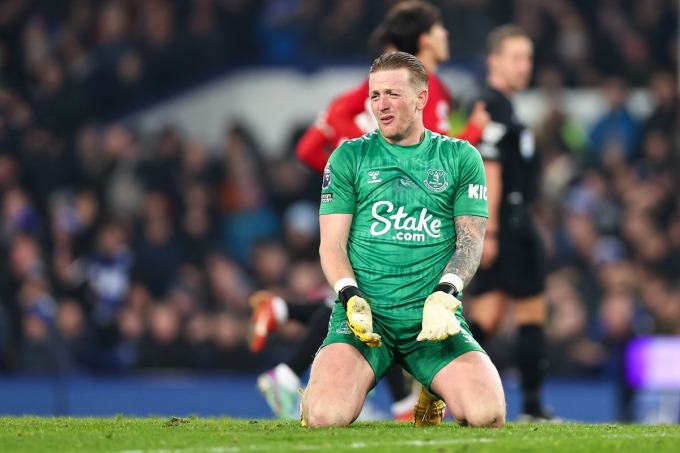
(406, 227)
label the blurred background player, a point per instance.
(512, 266)
(412, 26)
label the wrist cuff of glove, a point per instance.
(450, 284)
(347, 288)
(446, 288)
(346, 293)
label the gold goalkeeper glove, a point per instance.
(359, 316)
(439, 314)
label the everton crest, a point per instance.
(436, 180)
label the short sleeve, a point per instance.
(338, 194)
(471, 193)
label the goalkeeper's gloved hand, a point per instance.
(359, 316)
(439, 314)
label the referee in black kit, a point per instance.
(512, 266)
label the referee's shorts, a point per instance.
(519, 268)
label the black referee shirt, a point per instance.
(508, 141)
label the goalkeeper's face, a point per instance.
(397, 103)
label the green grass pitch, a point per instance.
(223, 435)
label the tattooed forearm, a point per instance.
(470, 238)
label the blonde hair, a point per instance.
(397, 60)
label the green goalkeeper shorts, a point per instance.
(422, 359)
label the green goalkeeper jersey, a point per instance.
(403, 200)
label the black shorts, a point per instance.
(520, 267)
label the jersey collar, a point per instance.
(406, 151)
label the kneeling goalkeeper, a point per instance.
(403, 214)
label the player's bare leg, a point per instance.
(531, 310)
(487, 312)
(472, 389)
(338, 383)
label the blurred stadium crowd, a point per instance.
(121, 251)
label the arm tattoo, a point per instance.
(470, 239)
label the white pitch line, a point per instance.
(354, 445)
(373, 445)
